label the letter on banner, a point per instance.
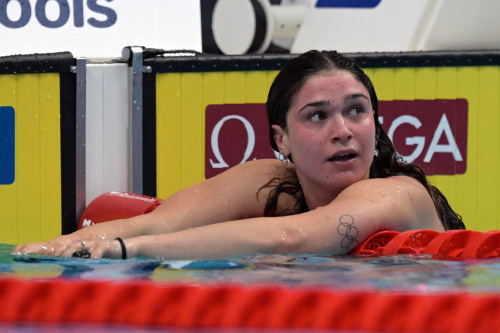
(235, 133)
(430, 133)
(451, 147)
(416, 140)
(215, 141)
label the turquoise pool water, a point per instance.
(416, 274)
(387, 273)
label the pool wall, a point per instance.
(40, 197)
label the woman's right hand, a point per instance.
(59, 246)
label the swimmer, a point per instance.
(339, 181)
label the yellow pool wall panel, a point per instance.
(183, 97)
(181, 102)
(31, 205)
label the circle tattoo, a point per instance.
(350, 232)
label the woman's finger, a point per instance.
(105, 249)
(69, 249)
(96, 250)
(37, 248)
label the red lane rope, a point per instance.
(459, 244)
(145, 304)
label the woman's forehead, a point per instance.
(336, 84)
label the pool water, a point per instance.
(416, 273)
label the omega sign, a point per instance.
(431, 133)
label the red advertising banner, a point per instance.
(235, 133)
(431, 133)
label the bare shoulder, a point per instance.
(257, 172)
(396, 185)
(237, 193)
(400, 197)
(245, 185)
(267, 166)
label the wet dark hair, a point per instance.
(388, 163)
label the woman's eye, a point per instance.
(317, 116)
(357, 111)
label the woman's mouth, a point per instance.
(342, 157)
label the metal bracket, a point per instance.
(134, 56)
(81, 108)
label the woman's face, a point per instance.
(330, 132)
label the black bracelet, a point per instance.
(124, 249)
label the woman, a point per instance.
(343, 183)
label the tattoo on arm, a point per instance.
(350, 232)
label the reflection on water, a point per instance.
(394, 273)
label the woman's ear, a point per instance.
(281, 139)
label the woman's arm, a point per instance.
(231, 195)
(397, 203)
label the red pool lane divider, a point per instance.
(458, 244)
(146, 304)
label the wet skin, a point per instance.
(330, 135)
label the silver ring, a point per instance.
(83, 243)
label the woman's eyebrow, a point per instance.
(355, 96)
(327, 103)
(314, 104)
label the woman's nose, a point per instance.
(340, 129)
